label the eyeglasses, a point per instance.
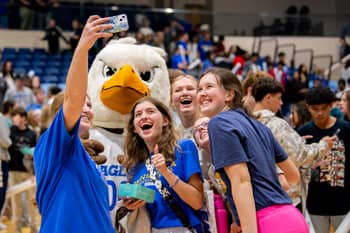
(203, 125)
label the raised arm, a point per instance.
(76, 84)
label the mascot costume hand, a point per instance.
(94, 148)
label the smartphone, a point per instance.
(120, 23)
(337, 132)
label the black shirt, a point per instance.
(324, 199)
(20, 139)
(52, 35)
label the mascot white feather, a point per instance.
(122, 73)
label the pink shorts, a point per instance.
(281, 218)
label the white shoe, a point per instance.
(3, 226)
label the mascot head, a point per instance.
(122, 73)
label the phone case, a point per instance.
(120, 23)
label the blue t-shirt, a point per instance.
(236, 138)
(185, 165)
(71, 193)
(206, 65)
(177, 59)
(204, 46)
(184, 48)
(183, 44)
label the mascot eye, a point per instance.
(146, 76)
(108, 71)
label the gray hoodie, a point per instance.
(5, 140)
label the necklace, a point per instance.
(155, 177)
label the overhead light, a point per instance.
(169, 10)
(114, 8)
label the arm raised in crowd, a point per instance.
(76, 85)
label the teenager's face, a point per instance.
(200, 132)
(8, 66)
(303, 68)
(344, 104)
(294, 117)
(86, 117)
(184, 96)
(211, 95)
(36, 116)
(320, 112)
(275, 102)
(149, 122)
(19, 121)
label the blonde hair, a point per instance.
(174, 73)
(252, 78)
(182, 76)
(56, 104)
(45, 116)
(49, 111)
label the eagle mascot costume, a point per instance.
(122, 73)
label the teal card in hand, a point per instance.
(136, 191)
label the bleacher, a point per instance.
(32, 58)
(51, 68)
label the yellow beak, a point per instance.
(123, 89)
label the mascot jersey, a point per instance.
(185, 165)
(112, 171)
(71, 193)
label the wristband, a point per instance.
(175, 182)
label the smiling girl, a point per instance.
(244, 152)
(67, 178)
(184, 102)
(156, 160)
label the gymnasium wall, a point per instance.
(320, 45)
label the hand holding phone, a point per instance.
(337, 132)
(119, 22)
(330, 140)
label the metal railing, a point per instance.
(334, 71)
(328, 67)
(299, 56)
(308, 61)
(263, 41)
(285, 46)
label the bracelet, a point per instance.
(175, 182)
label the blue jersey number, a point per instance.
(113, 197)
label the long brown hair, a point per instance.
(229, 82)
(302, 113)
(135, 148)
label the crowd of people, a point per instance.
(251, 128)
